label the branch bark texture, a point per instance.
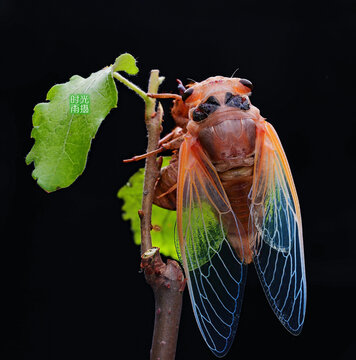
(167, 280)
(153, 122)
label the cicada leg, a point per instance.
(176, 137)
(165, 188)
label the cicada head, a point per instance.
(217, 86)
(200, 99)
(216, 95)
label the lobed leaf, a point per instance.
(62, 136)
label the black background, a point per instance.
(70, 277)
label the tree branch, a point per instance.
(167, 280)
(153, 122)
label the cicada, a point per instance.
(236, 202)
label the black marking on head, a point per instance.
(247, 83)
(228, 97)
(205, 109)
(199, 115)
(187, 93)
(237, 101)
(212, 100)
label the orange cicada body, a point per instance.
(236, 203)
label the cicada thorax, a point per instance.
(218, 113)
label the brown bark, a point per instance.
(167, 283)
(153, 121)
(167, 280)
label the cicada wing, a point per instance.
(210, 246)
(275, 231)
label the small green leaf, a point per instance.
(125, 62)
(64, 127)
(131, 194)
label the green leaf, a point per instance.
(165, 220)
(125, 62)
(64, 127)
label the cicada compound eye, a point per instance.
(247, 83)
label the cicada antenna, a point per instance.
(192, 80)
(234, 72)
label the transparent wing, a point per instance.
(210, 246)
(276, 231)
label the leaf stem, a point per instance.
(132, 86)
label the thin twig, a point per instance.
(153, 122)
